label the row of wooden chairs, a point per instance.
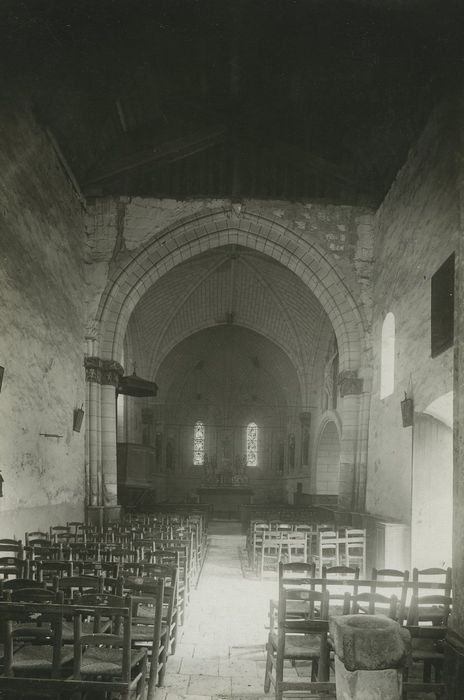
(102, 657)
(268, 543)
(148, 568)
(299, 622)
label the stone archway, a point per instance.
(327, 462)
(198, 234)
(141, 268)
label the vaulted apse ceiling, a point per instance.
(232, 287)
(228, 375)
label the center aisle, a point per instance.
(221, 649)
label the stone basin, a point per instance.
(369, 642)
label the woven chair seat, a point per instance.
(87, 628)
(101, 661)
(299, 646)
(36, 657)
(144, 633)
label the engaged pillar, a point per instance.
(351, 388)
(93, 433)
(110, 374)
(370, 653)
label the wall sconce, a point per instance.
(77, 419)
(2, 369)
(407, 411)
(1, 484)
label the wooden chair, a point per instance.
(78, 529)
(148, 631)
(72, 585)
(13, 567)
(56, 530)
(106, 656)
(428, 639)
(380, 576)
(293, 575)
(258, 530)
(7, 586)
(352, 548)
(328, 550)
(441, 581)
(12, 548)
(37, 629)
(41, 551)
(339, 580)
(374, 604)
(299, 640)
(147, 586)
(170, 558)
(49, 569)
(294, 547)
(272, 548)
(37, 536)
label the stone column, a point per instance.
(370, 653)
(305, 421)
(351, 389)
(110, 374)
(93, 438)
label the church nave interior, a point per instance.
(231, 315)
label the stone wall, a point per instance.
(416, 230)
(41, 343)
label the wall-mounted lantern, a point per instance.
(77, 419)
(407, 411)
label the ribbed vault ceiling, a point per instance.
(227, 373)
(230, 286)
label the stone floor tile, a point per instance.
(223, 640)
(256, 653)
(247, 685)
(173, 664)
(237, 666)
(211, 651)
(186, 650)
(212, 685)
(178, 681)
(200, 666)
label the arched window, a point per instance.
(199, 443)
(387, 361)
(252, 445)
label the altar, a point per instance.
(226, 500)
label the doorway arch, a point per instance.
(328, 449)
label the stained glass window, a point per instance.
(199, 443)
(252, 445)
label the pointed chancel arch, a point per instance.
(265, 234)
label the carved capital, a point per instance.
(305, 418)
(111, 371)
(93, 366)
(350, 383)
(102, 371)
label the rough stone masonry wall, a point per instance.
(417, 229)
(41, 341)
(119, 226)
